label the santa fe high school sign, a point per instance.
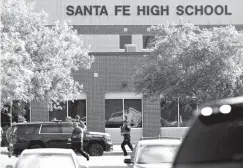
(146, 10)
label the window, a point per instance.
(70, 108)
(147, 41)
(122, 106)
(113, 113)
(169, 113)
(19, 108)
(133, 112)
(26, 129)
(77, 107)
(59, 113)
(67, 128)
(5, 119)
(125, 39)
(50, 128)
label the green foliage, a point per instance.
(37, 61)
(192, 63)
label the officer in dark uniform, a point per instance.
(126, 133)
(77, 140)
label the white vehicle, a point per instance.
(48, 158)
(154, 153)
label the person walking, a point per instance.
(126, 133)
(77, 140)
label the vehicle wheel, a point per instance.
(96, 150)
(35, 146)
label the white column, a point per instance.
(67, 108)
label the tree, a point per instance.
(192, 63)
(37, 61)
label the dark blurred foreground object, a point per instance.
(47, 158)
(215, 138)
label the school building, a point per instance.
(118, 33)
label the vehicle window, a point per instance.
(50, 128)
(156, 154)
(67, 128)
(46, 161)
(214, 138)
(26, 129)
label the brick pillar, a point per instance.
(39, 111)
(95, 114)
(151, 119)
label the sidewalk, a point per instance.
(117, 151)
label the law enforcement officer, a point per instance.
(125, 132)
(77, 140)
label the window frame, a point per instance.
(82, 96)
(10, 108)
(125, 96)
(60, 103)
(85, 107)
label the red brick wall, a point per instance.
(39, 111)
(113, 69)
(151, 119)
